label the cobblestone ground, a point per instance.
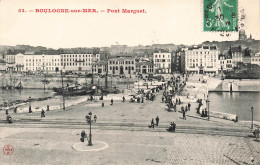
(54, 146)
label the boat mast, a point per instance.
(92, 77)
(14, 82)
(106, 77)
(62, 90)
(10, 81)
(138, 81)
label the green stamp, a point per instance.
(220, 15)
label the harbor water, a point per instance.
(238, 103)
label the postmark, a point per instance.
(220, 15)
(8, 149)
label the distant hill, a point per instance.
(254, 45)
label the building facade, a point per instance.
(176, 59)
(225, 63)
(41, 62)
(121, 65)
(144, 67)
(162, 62)
(99, 67)
(255, 59)
(10, 62)
(78, 62)
(202, 59)
(237, 54)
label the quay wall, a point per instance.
(37, 82)
(234, 85)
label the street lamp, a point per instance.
(63, 99)
(30, 108)
(208, 107)
(252, 125)
(90, 135)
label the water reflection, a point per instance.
(13, 95)
(238, 103)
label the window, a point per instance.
(132, 68)
(116, 67)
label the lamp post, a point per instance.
(208, 107)
(90, 135)
(252, 124)
(63, 99)
(30, 108)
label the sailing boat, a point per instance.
(75, 90)
(19, 86)
(111, 89)
(10, 85)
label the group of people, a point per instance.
(150, 96)
(172, 127)
(152, 122)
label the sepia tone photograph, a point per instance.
(130, 82)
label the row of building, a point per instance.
(196, 59)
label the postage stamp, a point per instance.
(220, 15)
(8, 149)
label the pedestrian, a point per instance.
(179, 101)
(152, 123)
(6, 111)
(48, 107)
(9, 119)
(83, 135)
(123, 98)
(30, 109)
(112, 101)
(162, 99)
(183, 113)
(95, 118)
(15, 110)
(186, 108)
(203, 113)
(176, 101)
(206, 113)
(42, 113)
(189, 105)
(256, 133)
(157, 120)
(142, 100)
(173, 126)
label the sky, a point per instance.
(165, 21)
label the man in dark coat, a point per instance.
(42, 113)
(157, 120)
(95, 118)
(152, 123)
(112, 101)
(183, 113)
(189, 105)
